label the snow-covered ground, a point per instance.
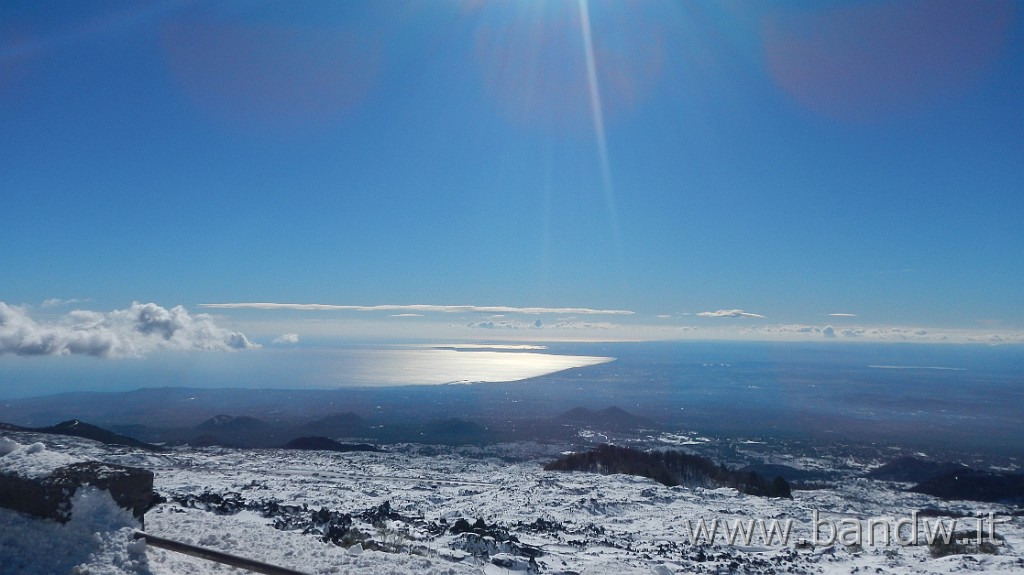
(567, 523)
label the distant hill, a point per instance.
(974, 485)
(326, 444)
(913, 470)
(76, 428)
(607, 418)
(237, 431)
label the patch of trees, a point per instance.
(327, 444)
(966, 543)
(670, 468)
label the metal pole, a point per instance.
(218, 556)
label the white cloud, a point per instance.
(286, 339)
(995, 338)
(57, 302)
(419, 308)
(504, 324)
(728, 313)
(800, 332)
(535, 325)
(792, 329)
(843, 314)
(132, 332)
(584, 325)
(406, 315)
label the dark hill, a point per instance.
(239, 431)
(913, 470)
(76, 428)
(607, 418)
(974, 485)
(326, 444)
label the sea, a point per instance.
(970, 397)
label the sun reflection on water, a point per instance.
(441, 366)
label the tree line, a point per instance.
(670, 468)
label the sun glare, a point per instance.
(597, 112)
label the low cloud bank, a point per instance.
(420, 308)
(132, 332)
(729, 313)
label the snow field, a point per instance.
(583, 523)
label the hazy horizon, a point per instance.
(334, 363)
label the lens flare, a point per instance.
(597, 113)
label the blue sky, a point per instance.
(781, 162)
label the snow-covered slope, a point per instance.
(399, 509)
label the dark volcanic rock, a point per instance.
(50, 497)
(130, 487)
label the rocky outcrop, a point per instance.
(50, 497)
